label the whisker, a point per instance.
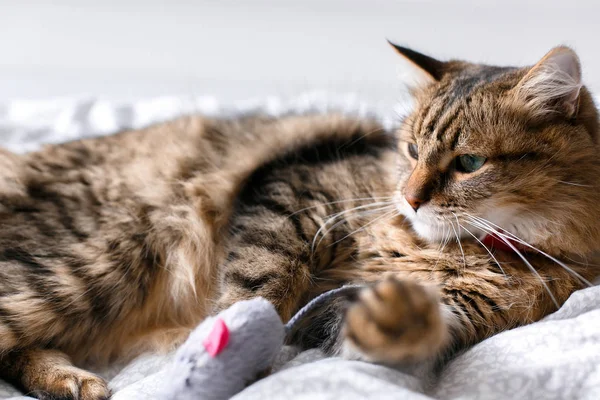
(486, 249)
(458, 240)
(447, 238)
(527, 263)
(445, 241)
(524, 243)
(338, 202)
(586, 263)
(360, 138)
(388, 214)
(366, 212)
(343, 212)
(574, 184)
(437, 230)
(333, 217)
(358, 215)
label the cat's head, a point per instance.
(517, 147)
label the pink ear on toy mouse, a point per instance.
(217, 339)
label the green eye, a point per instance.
(469, 163)
(413, 150)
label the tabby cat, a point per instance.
(479, 214)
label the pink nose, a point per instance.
(414, 201)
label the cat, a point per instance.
(478, 214)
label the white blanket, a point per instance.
(557, 358)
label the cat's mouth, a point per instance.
(432, 226)
(435, 226)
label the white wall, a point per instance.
(238, 49)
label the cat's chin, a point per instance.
(431, 232)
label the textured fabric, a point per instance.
(557, 358)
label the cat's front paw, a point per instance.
(68, 383)
(396, 321)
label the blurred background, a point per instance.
(130, 49)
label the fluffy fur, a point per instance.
(116, 245)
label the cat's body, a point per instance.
(116, 245)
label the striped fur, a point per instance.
(116, 245)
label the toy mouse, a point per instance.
(227, 352)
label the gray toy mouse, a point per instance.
(229, 351)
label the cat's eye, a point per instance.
(469, 163)
(413, 150)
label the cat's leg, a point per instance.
(49, 374)
(263, 271)
(268, 256)
(430, 306)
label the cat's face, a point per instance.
(514, 146)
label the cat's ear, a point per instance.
(432, 68)
(553, 84)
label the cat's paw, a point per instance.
(69, 383)
(396, 321)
